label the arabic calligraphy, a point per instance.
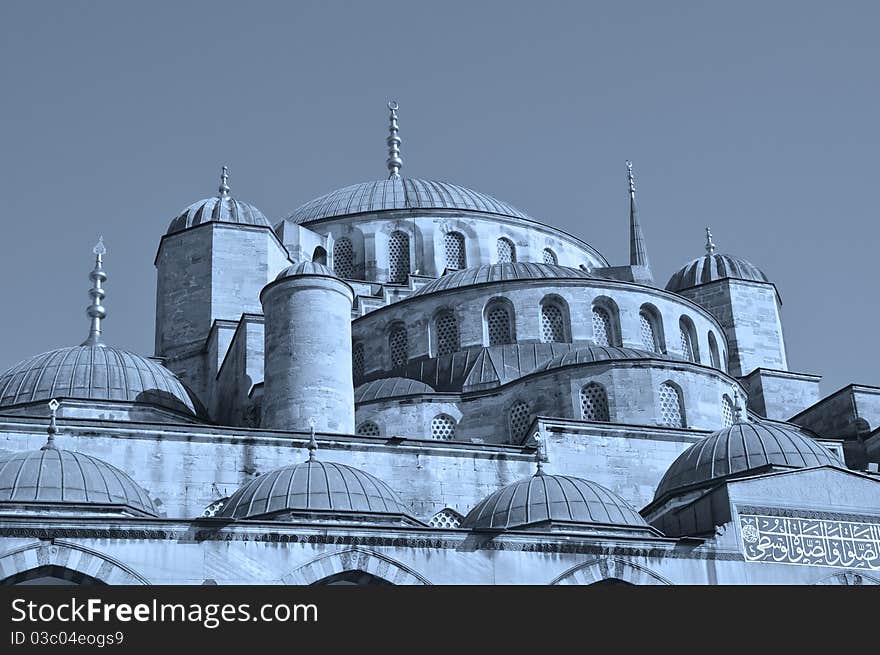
(810, 542)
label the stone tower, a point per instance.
(308, 373)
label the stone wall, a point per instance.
(750, 314)
(780, 394)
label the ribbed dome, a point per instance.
(390, 388)
(711, 267)
(313, 486)
(590, 354)
(221, 209)
(555, 498)
(740, 448)
(95, 372)
(400, 193)
(306, 268)
(500, 273)
(58, 477)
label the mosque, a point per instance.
(406, 381)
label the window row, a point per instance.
(594, 406)
(442, 428)
(399, 263)
(499, 328)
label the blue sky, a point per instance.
(759, 119)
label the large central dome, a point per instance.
(400, 193)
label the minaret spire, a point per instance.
(710, 247)
(638, 251)
(95, 310)
(394, 162)
(224, 183)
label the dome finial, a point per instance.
(313, 443)
(540, 454)
(739, 409)
(95, 310)
(53, 427)
(224, 182)
(710, 247)
(394, 162)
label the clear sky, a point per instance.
(757, 118)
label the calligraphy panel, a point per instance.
(810, 541)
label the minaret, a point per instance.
(638, 252)
(394, 162)
(95, 310)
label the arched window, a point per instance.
(453, 244)
(499, 323)
(726, 411)
(446, 518)
(713, 351)
(549, 256)
(398, 257)
(357, 361)
(671, 406)
(368, 429)
(446, 327)
(520, 418)
(506, 251)
(343, 258)
(649, 322)
(398, 346)
(319, 256)
(554, 319)
(594, 403)
(603, 327)
(443, 427)
(689, 349)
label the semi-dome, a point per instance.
(313, 486)
(306, 268)
(221, 208)
(713, 266)
(559, 499)
(400, 193)
(95, 372)
(390, 388)
(500, 273)
(52, 478)
(740, 448)
(591, 354)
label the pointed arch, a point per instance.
(350, 560)
(609, 568)
(69, 556)
(319, 255)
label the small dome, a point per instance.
(741, 448)
(400, 193)
(390, 388)
(306, 268)
(56, 478)
(95, 372)
(313, 486)
(591, 354)
(711, 267)
(220, 209)
(501, 273)
(555, 498)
